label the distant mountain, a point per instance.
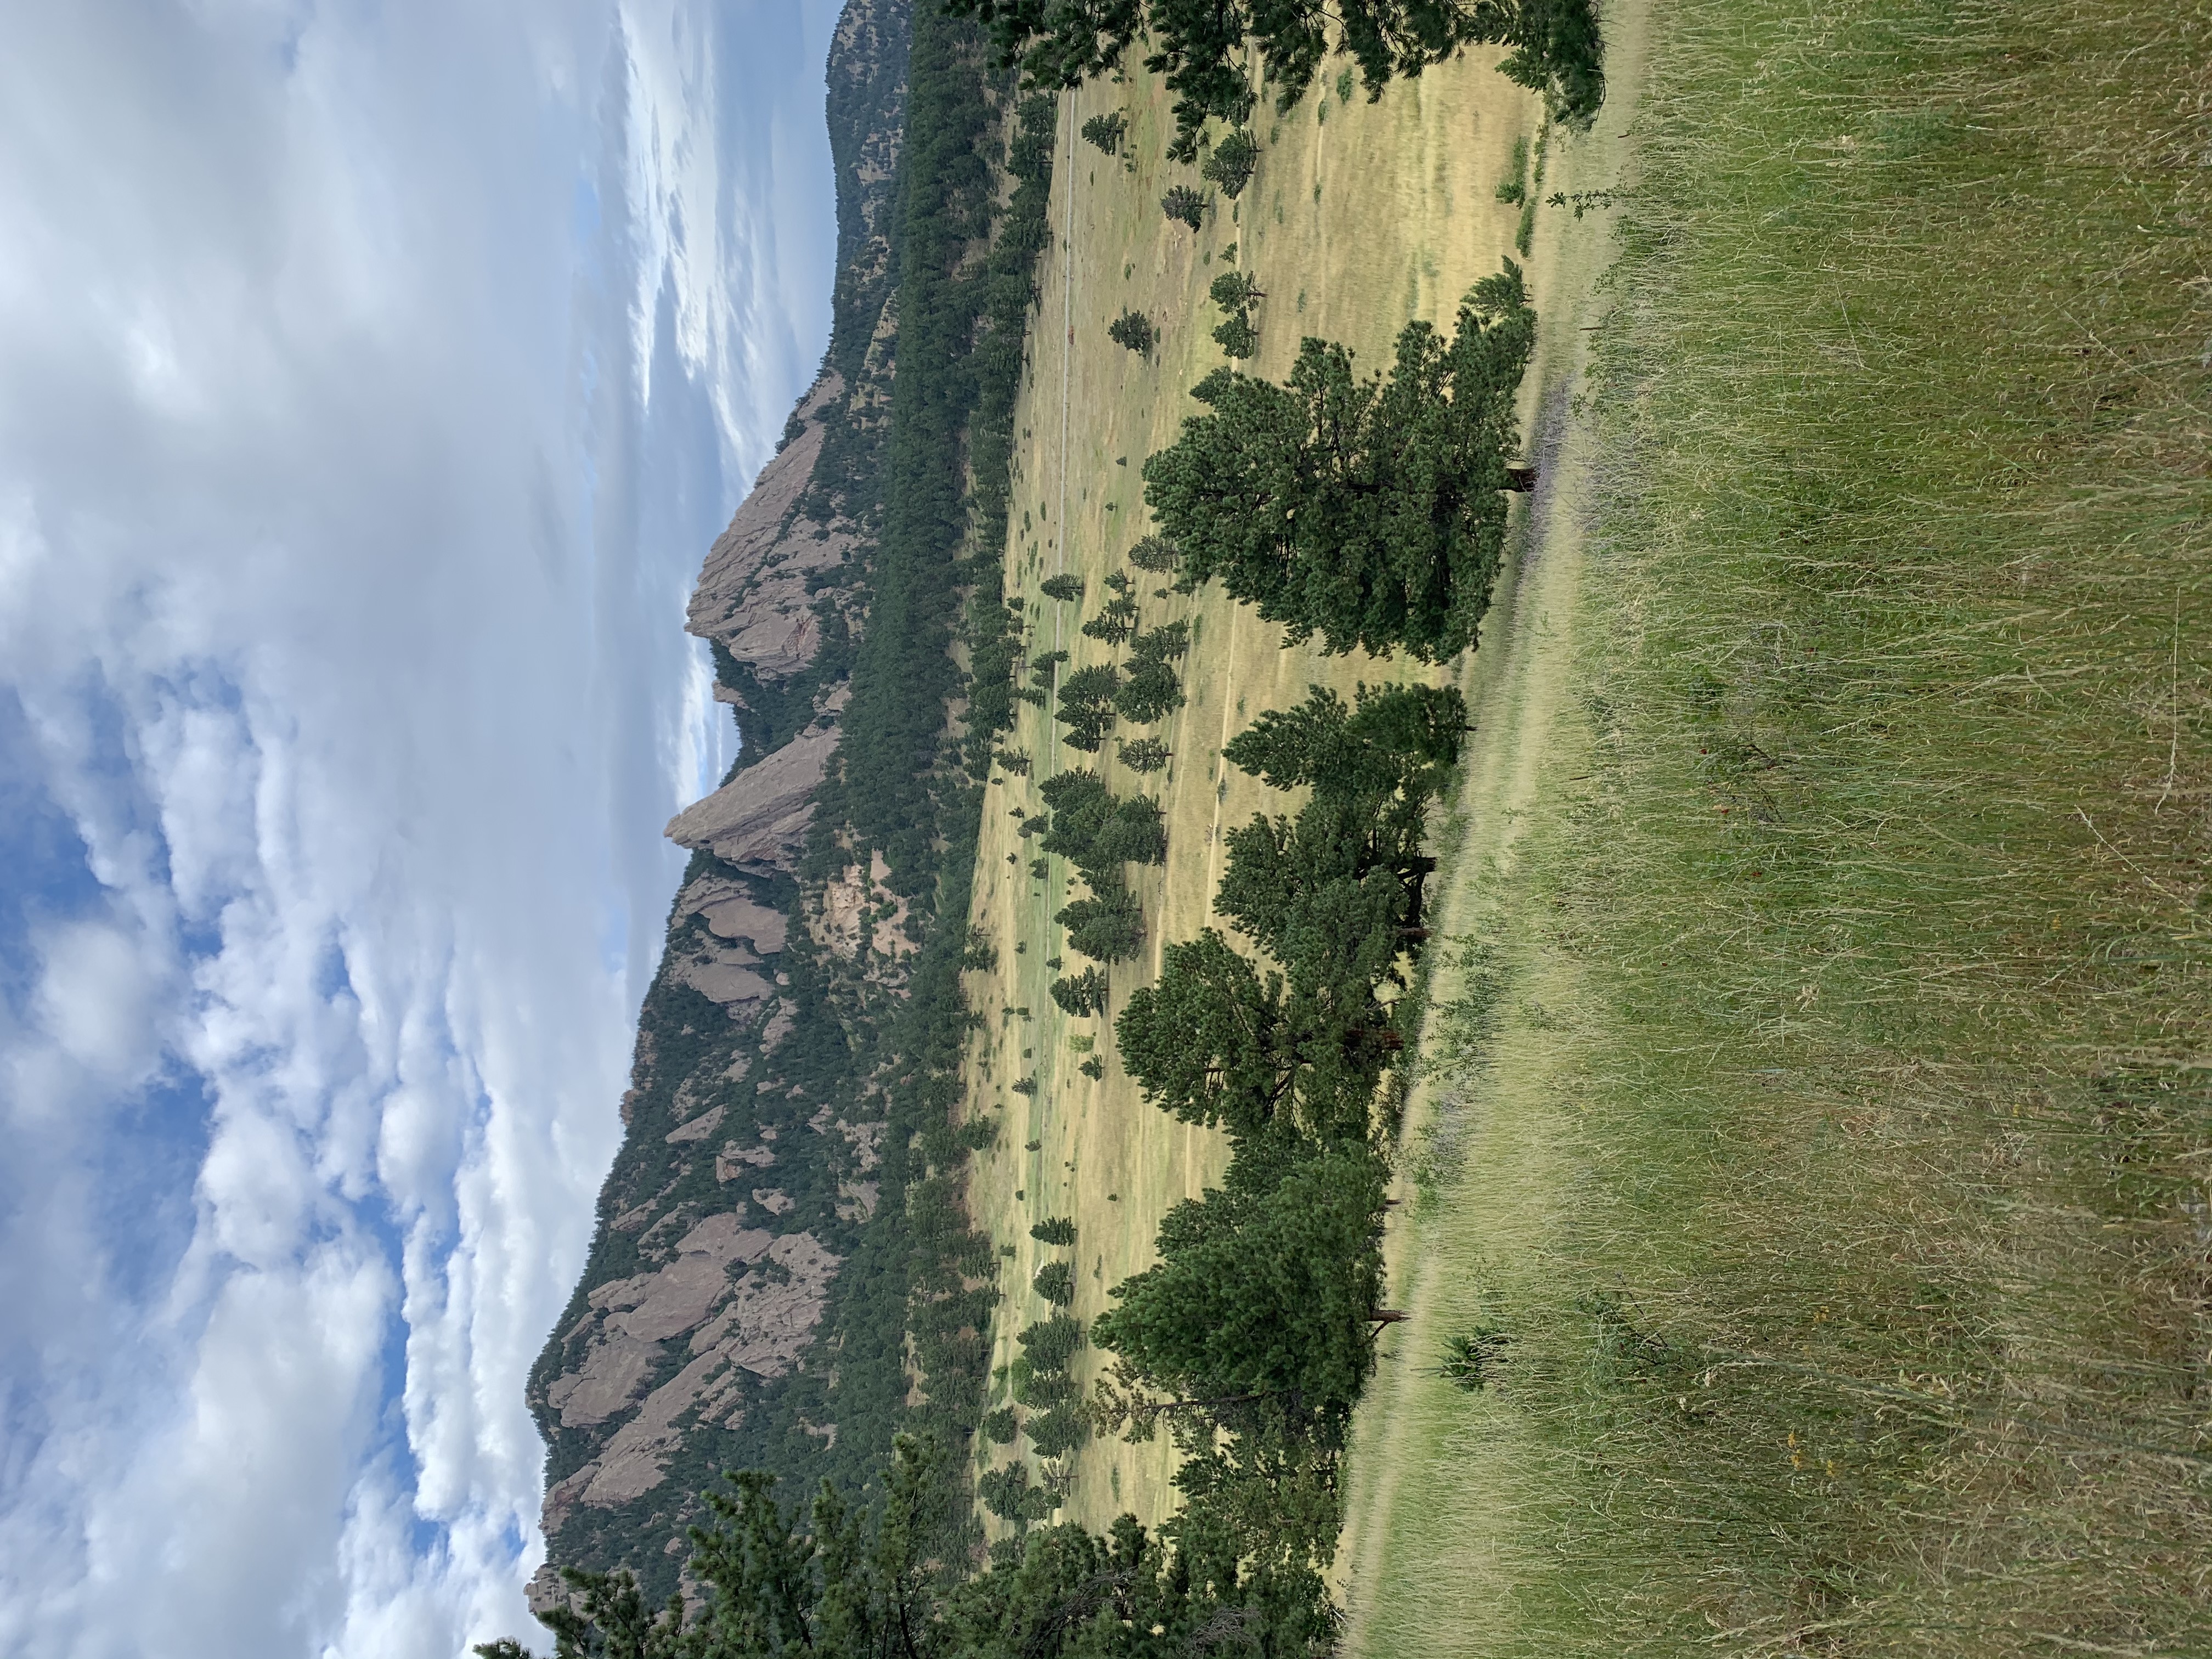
(782, 1275)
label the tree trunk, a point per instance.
(1387, 1316)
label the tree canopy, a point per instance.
(1194, 45)
(1370, 513)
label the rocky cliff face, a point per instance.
(694, 1342)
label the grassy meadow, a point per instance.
(1360, 218)
(1809, 1247)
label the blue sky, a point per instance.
(373, 379)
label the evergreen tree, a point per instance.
(1116, 621)
(1144, 755)
(1236, 336)
(1234, 290)
(1233, 162)
(1061, 587)
(1055, 1283)
(1269, 1292)
(1184, 205)
(1085, 705)
(1081, 995)
(1155, 553)
(1134, 329)
(1207, 1041)
(1057, 1230)
(1106, 927)
(1371, 515)
(1106, 131)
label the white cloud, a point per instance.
(375, 378)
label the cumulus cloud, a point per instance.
(373, 381)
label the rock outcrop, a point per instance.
(756, 819)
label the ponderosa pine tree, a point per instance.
(1134, 329)
(1115, 621)
(1106, 131)
(1143, 755)
(1081, 995)
(1207, 1042)
(1370, 513)
(1061, 587)
(1057, 1230)
(1270, 1291)
(1185, 206)
(1233, 162)
(1055, 1283)
(1085, 705)
(1156, 554)
(1106, 927)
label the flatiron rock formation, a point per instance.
(693, 1342)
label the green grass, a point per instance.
(1835, 1181)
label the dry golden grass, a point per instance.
(1353, 225)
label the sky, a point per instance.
(373, 376)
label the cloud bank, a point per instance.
(372, 380)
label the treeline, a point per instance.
(1198, 47)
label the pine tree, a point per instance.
(1061, 587)
(1106, 131)
(1156, 554)
(1184, 205)
(1371, 515)
(1106, 927)
(1144, 755)
(1134, 329)
(1269, 1292)
(1233, 162)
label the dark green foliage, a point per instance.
(1232, 290)
(1205, 1040)
(1232, 164)
(1471, 1360)
(1155, 553)
(1116, 621)
(1154, 690)
(1143, 755)
(1012, 761)
(1055, 1283)
(980, 956)
(1371, 515)
(1059, 1431)
(1106, 131)
(1000, 1427)
(1236, 336)
(1081, 994)
(1100, 832)
(1058, 1231)
(1044, 1390)
(1195, 43)
(1184, 205)
(1061, 587)
(1085, 705)
(1134, 329)
(1262, 1292)
(1106, 927)
(1051, 1343)
(1093, 1068)
(1008, 1494)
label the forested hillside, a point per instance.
(785, 1214)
